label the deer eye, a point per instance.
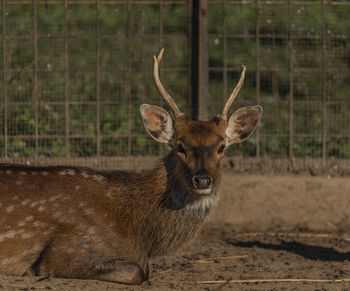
(221, 149)
(180, 149)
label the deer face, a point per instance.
(199, 145)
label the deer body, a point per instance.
(71, 218)
(80, 223)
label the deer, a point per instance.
(77, 222)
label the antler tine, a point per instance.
(234, 94)
(161, 88)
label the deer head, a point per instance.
(198, 146)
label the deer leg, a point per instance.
(88, 262)
(121, 272)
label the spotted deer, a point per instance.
(75, 222)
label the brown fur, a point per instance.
(81, 223)
(67, 220)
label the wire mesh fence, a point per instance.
(75, 72)
(297, 54)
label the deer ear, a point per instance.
(242, 124)
(157, 122)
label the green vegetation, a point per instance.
(108, 59)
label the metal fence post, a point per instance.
(291, 81)
(66, 79)
(257, 72)
(4, 56)
(324, 92)
(35, 80)
(200, 63)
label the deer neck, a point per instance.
(174, 216)
(160, 210)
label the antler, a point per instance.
(160, 87)
(230, 100)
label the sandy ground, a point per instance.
(219, 254)
(257, 252)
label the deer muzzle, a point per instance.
(202, 183)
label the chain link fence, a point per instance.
(73, 74)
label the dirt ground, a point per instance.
(257, 252)
(219, 254)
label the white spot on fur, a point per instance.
(85, 174)
(77, 187)
(8, 172)
(19, 183)
(66, 219)
(25, 202)
(39, 224)
(99, 178)
(67, 172)
(92, 230)
(89, 211)
(82, 204)
(53, 198)
(57, 214)
(21, 223)
(10, 209)
(10, 234)
(33, 204)
(27, 235)
(41, 208)
(29, 218)
(44, 173)
(71, 172)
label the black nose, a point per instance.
(201, 181)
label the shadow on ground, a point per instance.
(307, 251)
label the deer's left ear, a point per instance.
(242, 124)
(157, 122)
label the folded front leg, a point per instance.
(119, 271)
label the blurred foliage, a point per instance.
(317, 51)
(115, 69)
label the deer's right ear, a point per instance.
(157, 122)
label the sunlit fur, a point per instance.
(81, 223)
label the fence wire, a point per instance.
(297, 54)
(75, 72)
